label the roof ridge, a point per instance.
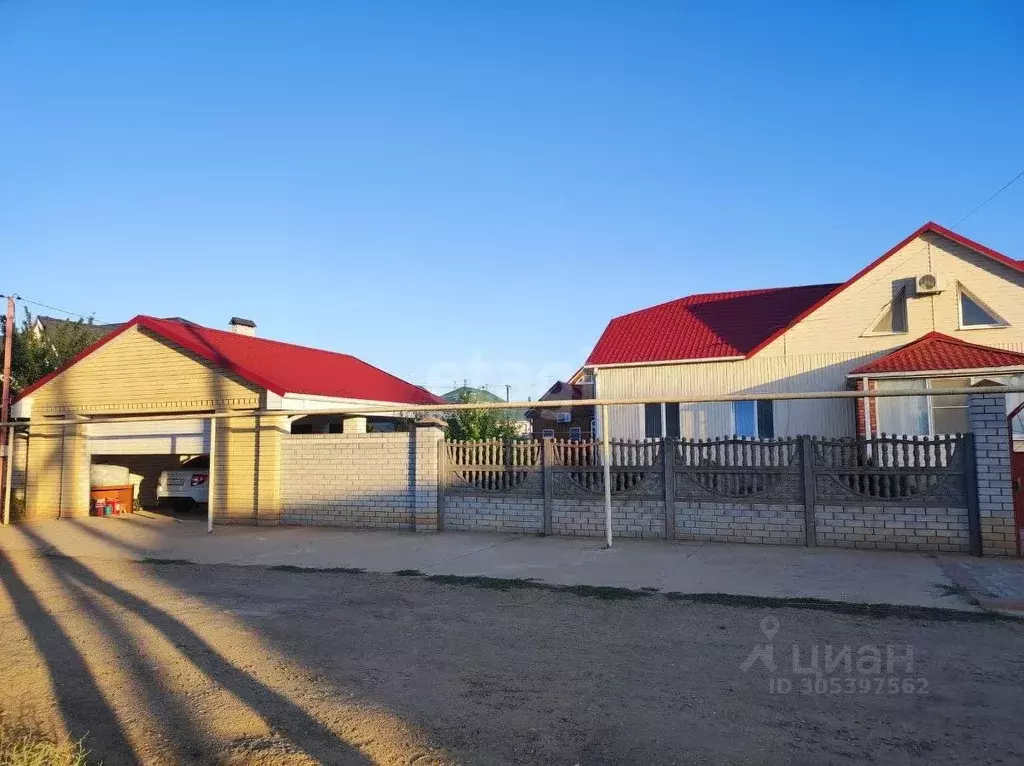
(181, 322)
(748, 291)
(189, 323)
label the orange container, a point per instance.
(118, 498)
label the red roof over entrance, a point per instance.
(278, 367)
(934, 352)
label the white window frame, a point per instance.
(578, 431)
(962, 291)
(903, 293)
(563, 417)
(929, 393)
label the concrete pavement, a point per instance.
(867, 577)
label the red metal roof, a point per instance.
(706, 326)
(935, 351)
(717, 325)
(279, 367)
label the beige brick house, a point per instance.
(171, 367)
(938, 310)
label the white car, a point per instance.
(185, 487)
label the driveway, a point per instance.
(868, 577)
(213, 663)
(162, 662)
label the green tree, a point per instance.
(38, 351)
(476, 425)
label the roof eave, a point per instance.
(857, 375)
(665, 361)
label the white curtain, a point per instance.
(902, 414)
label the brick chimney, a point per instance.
(242, 326)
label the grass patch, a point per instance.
(491, 583)
(409, 573)
(177, 562)
(24, 745)
(606, 592)
(877, 611)
(310, 570)
(499, 583)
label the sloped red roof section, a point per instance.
(736, 323)
(936, 351)
(276, 366)
(707, 326)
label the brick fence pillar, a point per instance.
(428, 432)
(988, 422)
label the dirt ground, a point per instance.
(177, 663)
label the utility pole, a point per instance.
(508, 388)
(5, 402)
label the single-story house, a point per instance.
(936, 311)
(573, 423)
(151, 366)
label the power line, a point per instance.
(85, 317)
(1005, 186)
(921, 249)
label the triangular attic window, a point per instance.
(974, 314)
(894, 318)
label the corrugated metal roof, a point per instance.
(936, 351)
(276, 366)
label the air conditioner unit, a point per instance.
(929, 284)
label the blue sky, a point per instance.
(471, 190)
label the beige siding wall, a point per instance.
(804, 358)
(846, 318)
(139, 373)
(816, 372)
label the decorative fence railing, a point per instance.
(887, 470)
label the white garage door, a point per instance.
(188, 436)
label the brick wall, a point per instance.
(351, 480)
(494, 513)
(630, 518)
(892, 528)
(872, 409)
(989, 424)
(740, 523)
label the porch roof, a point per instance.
(936, 352)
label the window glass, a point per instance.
(894, 318)
(652, 421)
(765, 419)
(672, 419)
(744, 416)
(950, 420)
(958, 400)
(902, 414)
(972, 314)
(1012, 402)
(949, 413)
(575, 433)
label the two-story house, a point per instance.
(937, 311)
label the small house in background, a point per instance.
(470, 394)
(41, 324)
(574, 423)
